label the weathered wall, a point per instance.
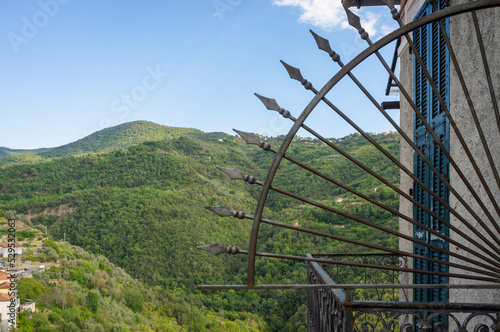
(406, 153)
(464, 42)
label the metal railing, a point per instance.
(353, 308)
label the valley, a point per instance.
(136, 196)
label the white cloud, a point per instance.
(330, 15)
(326, 14)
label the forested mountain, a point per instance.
(142, 207)
(106, 140)
(89, 293)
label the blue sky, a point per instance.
(71, 67)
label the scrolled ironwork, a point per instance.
(326, 311)
(363, 275)
(368, 316)
(423, 321)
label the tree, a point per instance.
(30, 288)
(52, 254)
(92, 301)
(10, 214)
(134, 301)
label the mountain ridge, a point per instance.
(105, 140)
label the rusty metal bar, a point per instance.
(224, 211)
(218, 249)
(250, 138)
(363, 286)
(362, 221)
(438, 95)
(324, 45)
(356, 23)
(235, 174)
(272, 105)
(295, 74)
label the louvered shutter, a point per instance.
(432, 48)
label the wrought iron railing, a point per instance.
(352, 307)
(349, 274)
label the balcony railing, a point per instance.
(368, 300)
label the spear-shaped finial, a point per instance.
(250, 138)
(217, 249)
(272, 105)
(233, 173)
(224, 211)
(236, 174)
(324, 45)
(296, 75)
(355, 22)
(221, 210)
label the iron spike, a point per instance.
(217, 249)
(221, 210)
(296, 75)
(249, 138)
(355, 22)
(214, 249)
(233, 173)
(270, 103)
(293, 72)
(236, 174)
(323, 44)
(224, 211)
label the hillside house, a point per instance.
(4, 249)
(30, 306)
(9, 305)
(4, 286)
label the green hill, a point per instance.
(119, 137)
(105, 140)
(4, 152)
(142, 208)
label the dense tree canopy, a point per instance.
(141, 207)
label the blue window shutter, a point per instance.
(432, 48)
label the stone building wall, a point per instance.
(464, 42)
(406, 153)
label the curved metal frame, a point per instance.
(445, 13)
